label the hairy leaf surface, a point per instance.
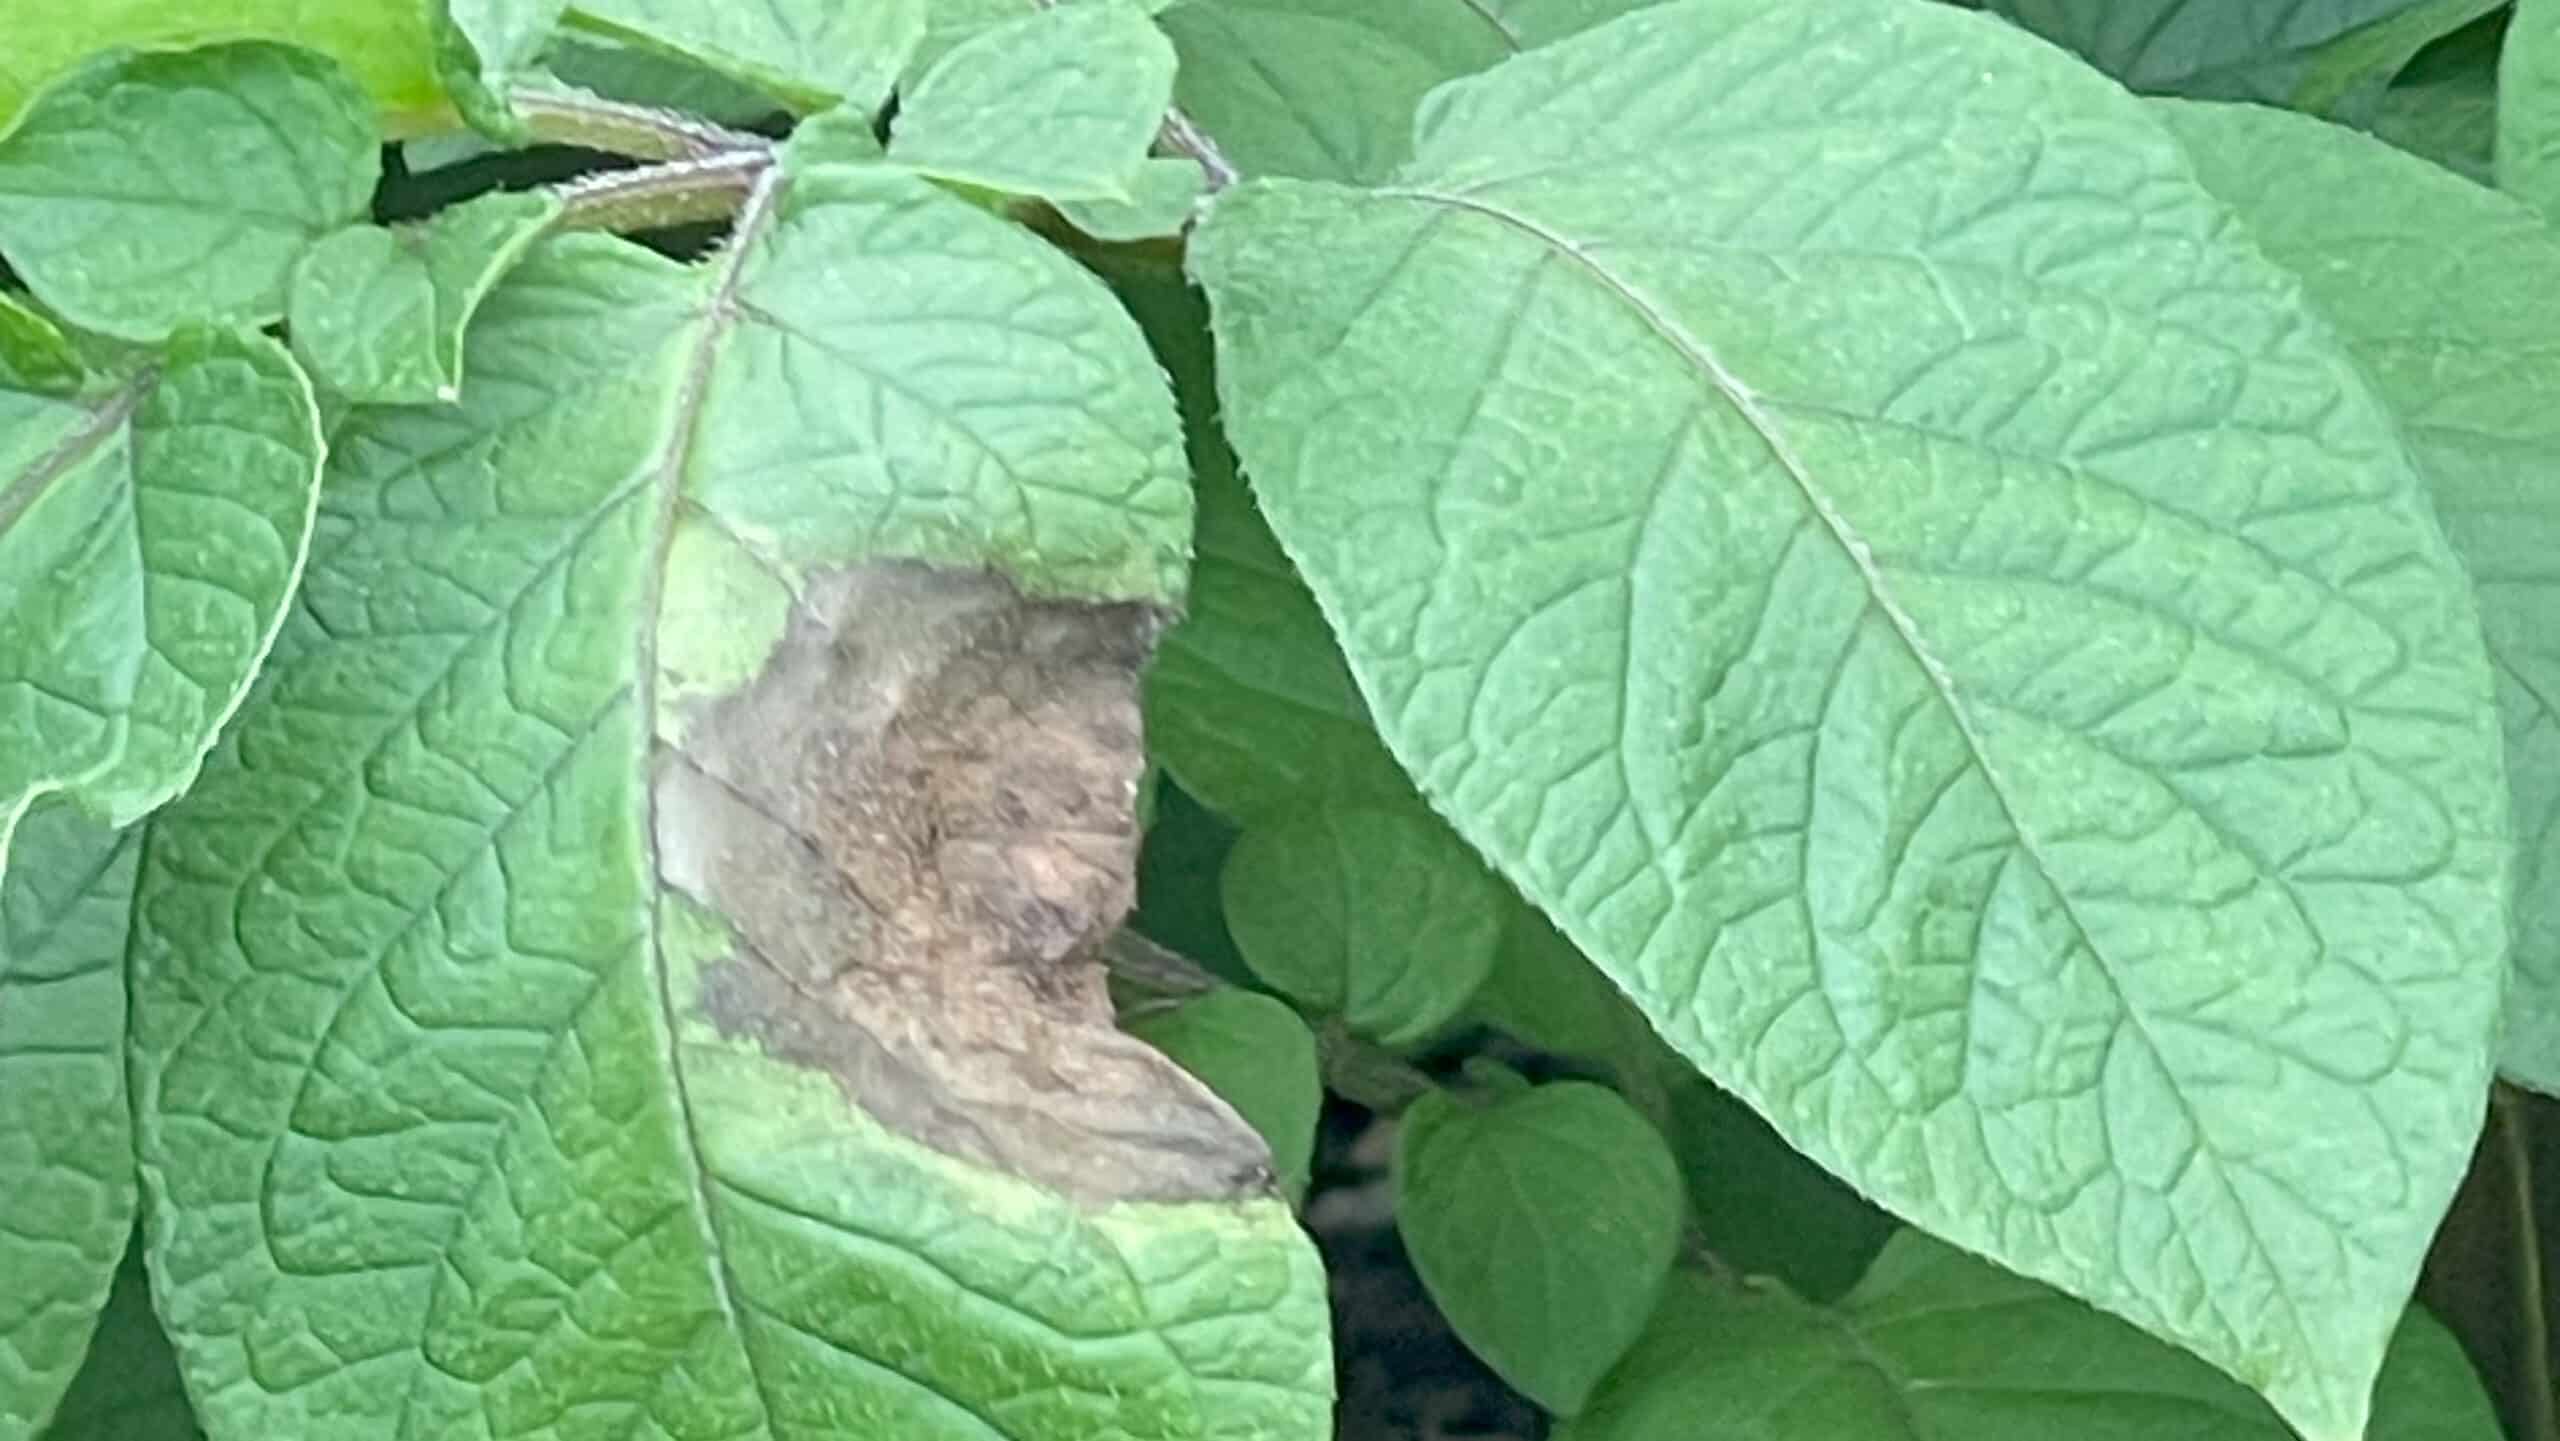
(378, 313)
(1981, 672)
(151, 531)
(66, 1133)
(2450, 296)
(1935, 1345)
(147, 190)
(1061, 104)
(631, 968)
(1543, 1224)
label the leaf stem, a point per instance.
(578, 117)
(2541, 1408)
(1183, 136)
(676, 193)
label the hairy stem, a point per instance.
(675, 193)
(575, 117)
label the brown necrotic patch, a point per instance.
(919, 822)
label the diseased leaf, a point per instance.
(384, 42)
(2313, 57)
(1260, 1058)
(2445, 105)
(151, 532)
(2449, 295)
(1161, 195)
(1543, 1223)
(66, 1135)
(1937, 1346)
(1379, 916)
(1990, 689)
(147, 190)
(128, 1389)
(812, 53)
(1061, 104)
(634, 966)
(378, 314)
(2528, 140)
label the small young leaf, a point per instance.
(146, 190)
(2449, 294)
(1260, 1058)
(66, 1133)
(1161, 195)
(384, 42)
(2528, 144)
(1544, 1225)
(1937, 1346)
(1764, 1209)
(34, 356)
(379, 314)
(813, 53)
(1988, 614)
(1379, 916)
(1061, 104)
(151, 533)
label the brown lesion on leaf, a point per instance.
(919, 822)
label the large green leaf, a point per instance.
(384, 42)
(2450, 296)
(1982, 673)
(2528, 143)
(128, 1389)
(2445, 105)
(1937, 1346)
(147, 190)
(631, 967)
(1061, 104)
(815, 53)
(379, 313)
(151, 531)
(1543, 1223)
(66, 1134)
(2317, 57)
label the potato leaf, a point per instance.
(147, 190)
(2528, 143)
(2449, 294)
(634, 965)
(1937, 1346)
(378, 313)
(384, 42)
(1983, 674)
(1260, 1058)
(1060, 104)
(814, 53)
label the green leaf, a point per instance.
(66, 1134)
(1764, 1209)
(483, 47)
(2445, 105)
(1374, 914)
(622, 970)
(812, 53)
(385, 42)
(151, 533)
(643, 75)
(1161, 196)
(2314, 57)
(379, 314)
(1548, 994)
(1249, 703)
(1260, 1058)
(1989, 615)
(2449, 295)
(950, 24)
(1543, 1224)
(128, 1389)
(33, 353)
(2528, 142)
(147, 190)
(1061, 104)
(1937, 1346)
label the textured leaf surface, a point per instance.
(2450, 296)
(150, 535)
(2528, 143)
(814, 52)
(2308, 55)
(147, 190)
(128, 1389)
(606, 979)
(951, 23)
(1062, 104)
(378, 314)
(1937, 1346)
(1374, 914)
(1161, 195)
(383, 41)
(1543, 1224)
(66, 1134)
(1260, 1058)
(1982, 675)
